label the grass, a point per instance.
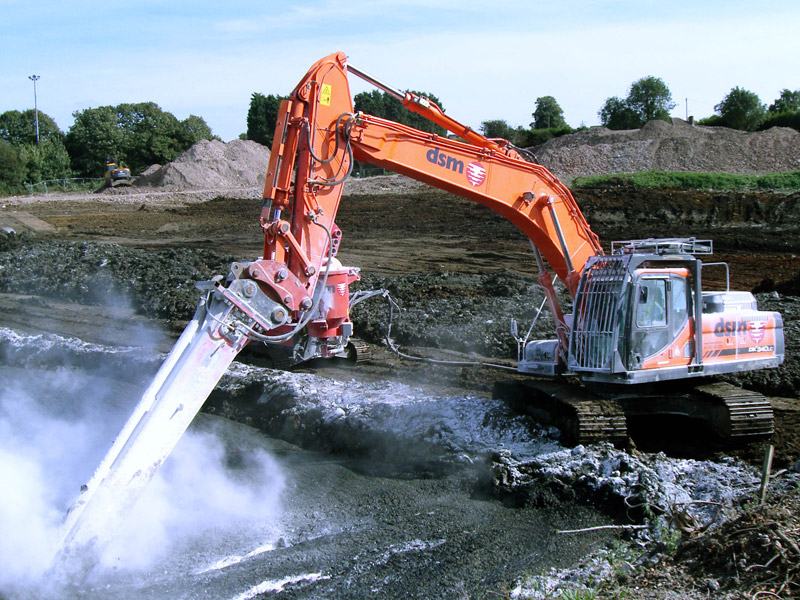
(787, 181)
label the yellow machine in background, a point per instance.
(116, 174)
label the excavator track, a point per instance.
(742, 414)
(733, 413)
(582, 417)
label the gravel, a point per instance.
(676, 146)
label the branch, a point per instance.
(603, 527)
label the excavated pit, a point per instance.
(344, 489)
(412, 477)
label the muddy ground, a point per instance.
(93, 265)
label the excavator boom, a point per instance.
(319, 136)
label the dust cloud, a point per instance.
(55, 427)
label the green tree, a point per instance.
(47, 160)
(262, 117)
(651, 99)
(788, 118)
(150, 135)
(193, 129)
(537, 137)
(548, 114)
(138, 135)
(11, 169)
(648, 98)
(93, 136)
(616, 114)
(498, 128)
(35, 162)
(386, 106)
(20, 127)
(379, 104)
(741, 109)
(787, 102)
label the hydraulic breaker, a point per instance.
(225, 320)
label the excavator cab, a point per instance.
(637, 319)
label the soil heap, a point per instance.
(212, 164)
(658, 146)
(679, 146)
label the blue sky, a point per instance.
(484, 60)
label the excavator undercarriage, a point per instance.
(732, 414)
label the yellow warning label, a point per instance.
(325, 94)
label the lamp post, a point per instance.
(34, 79)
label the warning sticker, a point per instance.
(325, 94)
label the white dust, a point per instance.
(55, 427)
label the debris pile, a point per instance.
(635, 486)
(703, 535)
(758, 550)
(211, 165)
(388, 420)
(679, 146)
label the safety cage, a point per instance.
(599, 315)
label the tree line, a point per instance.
(134, 134)
(141, 134)
(648, 98)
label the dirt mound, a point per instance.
(679, 146)
(212, 165)
(150, 170)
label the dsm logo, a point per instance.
(437, 157)
(475, 173)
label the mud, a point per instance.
(387, 486)
(119, 267)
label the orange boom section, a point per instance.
(526, 194)
(319, 136)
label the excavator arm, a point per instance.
(525, 193)
(318, 136)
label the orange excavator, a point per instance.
(639, 315)
(642, 336)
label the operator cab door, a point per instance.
(660, 326)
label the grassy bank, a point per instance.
(788, 181)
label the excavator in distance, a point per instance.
(116, 175)
(642, 336)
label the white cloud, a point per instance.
(484, 62)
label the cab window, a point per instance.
(651, 310)
(679, 298)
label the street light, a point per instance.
(34, 79)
